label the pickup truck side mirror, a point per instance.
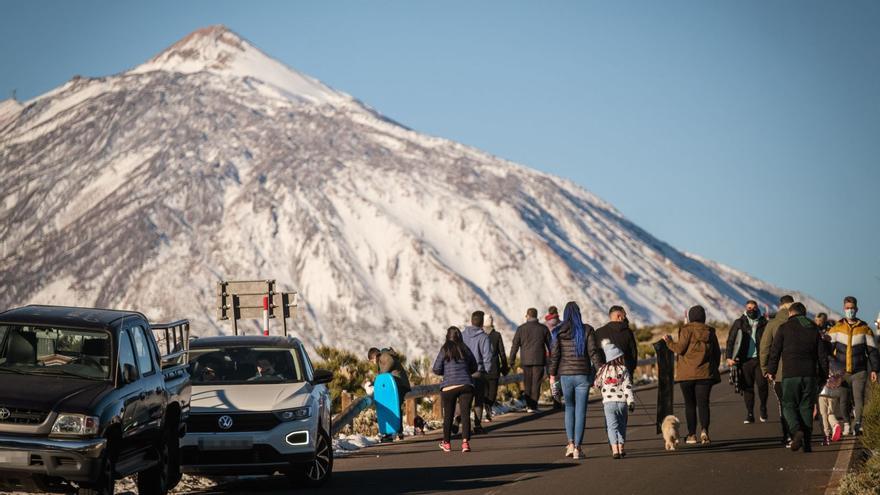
(322, 376)
(129, 373)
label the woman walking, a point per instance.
(570, 364)
(696, 370)
(455, 363)
(614, 381)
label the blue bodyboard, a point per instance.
(387, 405)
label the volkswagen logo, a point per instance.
(4, 413)
(224, 422)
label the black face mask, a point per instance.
(754, 314)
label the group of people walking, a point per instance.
(828, 367)
(826, 370)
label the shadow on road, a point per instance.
(741, 445)
(406, 480)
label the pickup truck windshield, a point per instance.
(237, 365)
(64, 352)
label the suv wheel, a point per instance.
(317, 472)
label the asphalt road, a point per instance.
(524, 454)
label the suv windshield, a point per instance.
(55, 351)
(230, 365)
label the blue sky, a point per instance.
(744, 131)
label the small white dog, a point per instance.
(669, 427)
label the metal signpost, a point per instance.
(253, 299)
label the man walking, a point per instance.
(764, 358)
(534, 339)
(742, 350)
(478, 342)
(799, 343)
(618, 332)
(499, 365)
(855, 351)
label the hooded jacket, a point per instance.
(563, 356)
(740, 331)
(478, 342)
(699, 354)
(619, 334)
(854, 346)
(389, 362)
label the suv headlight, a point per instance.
(75, 424)
(294, 414)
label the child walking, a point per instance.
(829, 404)
(615, 383)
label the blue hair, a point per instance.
(572, 315)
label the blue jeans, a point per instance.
(615, 422)
(576, 391)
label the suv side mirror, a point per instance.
(322, 376)
(129, 373)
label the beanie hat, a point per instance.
(610, 350)
(697, 314)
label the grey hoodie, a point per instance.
(478, 342)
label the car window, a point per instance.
(66, 352)
(126, 353)
(142, 350)
(245, 365)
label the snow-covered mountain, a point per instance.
(214, 161)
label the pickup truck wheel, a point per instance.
(159, 479)
(105, 484)
(317, 472)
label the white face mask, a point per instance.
(850, 313)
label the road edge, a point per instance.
(841, 465)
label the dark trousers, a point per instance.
(448, 398)
(491, 394)
(479, 398)
(696, 403)
(798, 398)
(777, 389)
(533, 376)
(752, 377)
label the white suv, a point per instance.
(258, 407)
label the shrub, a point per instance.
(866, 479)
(349, 372)
(871, 419)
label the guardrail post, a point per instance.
(438, 408)
(345, 399)
(410, 411)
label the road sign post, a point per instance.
(253, 299)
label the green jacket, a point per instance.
(767, 342)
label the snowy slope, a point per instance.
(213, 161)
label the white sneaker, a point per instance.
(577, 454)
(846, 429)
(569, 451)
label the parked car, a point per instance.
(258, 407)
(87, 398)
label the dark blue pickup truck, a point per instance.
(88, 397)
